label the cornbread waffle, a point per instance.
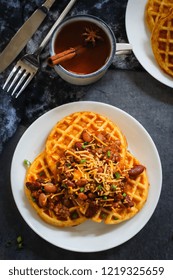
(162, 43)
(86, 172)
(124, 200)
(156, 9)
(68, 131)
(45, 197)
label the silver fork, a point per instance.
(27, 67)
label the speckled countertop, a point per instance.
(127, 86)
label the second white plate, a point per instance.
(139, 37)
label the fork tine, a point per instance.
(15, 79)
(10, 76)
(24, 85)
(22, 73)
(22, 78)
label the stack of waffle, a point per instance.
(86, 172)
(159, 18)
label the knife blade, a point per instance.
(20, 39)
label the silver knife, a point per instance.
(20, 39)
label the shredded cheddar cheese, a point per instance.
(94, 164)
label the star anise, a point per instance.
(91, 36)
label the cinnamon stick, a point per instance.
(65, 55)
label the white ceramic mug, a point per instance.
(84, 79)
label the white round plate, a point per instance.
(89, 236)
(139, 36)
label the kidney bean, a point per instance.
(69, 183)
(82, 196)
(50, 188)
(128, 202)
(100, 170)
(136, 170)
(81, 182)
(78, 145)
(100, 136)
(33, 186)
(86, 136)
(42, 200)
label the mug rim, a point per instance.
(106, 29)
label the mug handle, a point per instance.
(123, 48)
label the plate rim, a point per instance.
(72, 106)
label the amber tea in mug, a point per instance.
(92, 55)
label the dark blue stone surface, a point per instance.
(126, 85)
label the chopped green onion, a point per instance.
(81, 189)
(85, 143)
(117, 175)
(115, 218)
(20, 246)
(113, 187)
(19, 242)
(19, 239)
(108, 153)
(27, 163)
(99, 187)
(83, 146)
(105, 197)
(124, 194)
(83, 160)
(74, 215)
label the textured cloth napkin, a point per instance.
(41, 94)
